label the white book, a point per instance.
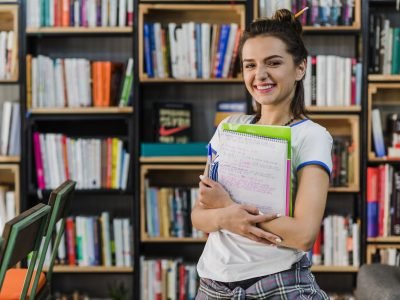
(339, 80)
(321, 80)
(173, 49)
(105, 238)
(184, 45)
(97, 163)
(328, 237)
(77, 13)
(59, 83)
(159, 54)
(51, 84)
(385, 47)
(10, 205)
(126, 237)
(262, 6)
(3, 51)
(125, 171)
(44, 152)
(10, 54)
(356, 244)
(118, 165)
(61, 251)
(392, 253)
(51, 16)
(229, 49)
(87, 81)
(3, 210)
(79, 165)
(122, 13)
(41, 81)
(70, 160)
(53, 159)
(331, 78)
(5, 127)
(81, 74)
(89, 226)
(172, 277)
(205, 49)
(91, 12)
(15, 131)
(389, 51)
(307, 83)
(347, 81)
(180, 41)
(118, 241)
(35, 83)
(104, 13)
(113, 9)
(191, 39)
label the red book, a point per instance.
(157, 284)
(372, 184)
(316, 251)
(70, 236)
(65, 156)
(182, 281)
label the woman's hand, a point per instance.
(212, 194)
(242, 219)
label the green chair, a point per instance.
(21, 236)
(58, 204)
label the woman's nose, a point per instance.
(261, 74)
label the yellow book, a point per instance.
(114, 157)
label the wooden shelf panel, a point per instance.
(82, 110)
(387, 239)
(339, 269)
(174, 159)
(347, 189)
(173, 240)
(382, 77)
(144, 79)
(94, 269)
(355, 108)
(9, 159)
(79, 30)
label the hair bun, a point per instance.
(286, 16)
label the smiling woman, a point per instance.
(251, 255)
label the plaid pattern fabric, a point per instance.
(295, 283)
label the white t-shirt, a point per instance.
(230, 257)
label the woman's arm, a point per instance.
(301, 230)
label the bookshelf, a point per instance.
(9, 22)
(373, 249)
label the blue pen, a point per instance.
(209, 159)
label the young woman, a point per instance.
(254, 256)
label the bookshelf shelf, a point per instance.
(79, 30)
(349, 109)
(9, 159)
(387, 239)
(96, 269)
(382, 78)
(87, 192)
(173, 240)
(334, 269)
(82, 110)
(347, 189)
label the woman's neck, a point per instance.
(274, 116)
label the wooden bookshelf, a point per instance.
(354, 27)
(9, 175)
(181, 13)
(79, 30)
(345, 125)
(9, 22)
(9, 159)
(92, 269)
(349, 109)
(334, 269)
(383, 77)
(173, 240)
(380, 95)
(386, 239)
(166, 175)
(372, 248)
(82, 110)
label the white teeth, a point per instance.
(264, 87)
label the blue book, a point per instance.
(199, 63)
(223, 44)
(372, 219)
(164, 149)
(147, 49)
(358, 83)
(377, 133)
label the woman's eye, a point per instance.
(274, 63)
(248, 66)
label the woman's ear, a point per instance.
(301, 70)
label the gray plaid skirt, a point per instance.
(296, 283)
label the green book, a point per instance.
(127, 86)
(396, 51)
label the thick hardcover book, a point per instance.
(173, 123)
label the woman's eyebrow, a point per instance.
(266, 58)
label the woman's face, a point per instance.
(269, 71)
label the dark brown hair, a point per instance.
(284, 26)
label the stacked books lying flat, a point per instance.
(168, 212)
(92, 163)
(191, 50)
(338, 243)
(95, 241)
(163, 149)
(167, 279)
(320, 13)
(387, 256)
(332, 81)
(8, 55)
(77, 82)
(64, 13)
(383, 201)
(10, 139)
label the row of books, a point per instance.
(384, 46)
(79, 13)
(388, 256)
(10, 139)
(338, 243)
(342, 161)
(332, 81)
(92, 163)
(96, 241)
(191, 50)
(320, 13)
(7, 205)
(8, 55)
(167, 279)
(383, 201)
(77, 82)
(168, 212)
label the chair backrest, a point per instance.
(21, 236)
(59, 202)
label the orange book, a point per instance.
(214, 50)
(106, 68)
(65, 13)
(97, 83)
(65, 156)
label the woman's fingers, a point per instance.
(265, 235)
(263, 218)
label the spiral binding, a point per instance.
(282, 141)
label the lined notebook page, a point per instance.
(254, 170)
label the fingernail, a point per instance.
(278, 240)
(260, 212)
(201, 177)
(278, 215)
